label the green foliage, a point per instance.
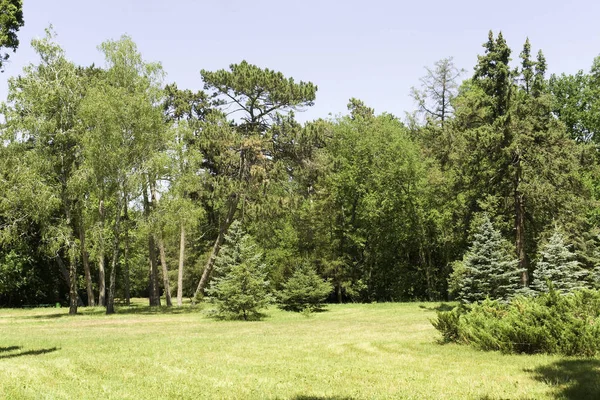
(11, 20)
(305, 289)
(487, 269)
(549, 323)
(241, 289)
(558, 266)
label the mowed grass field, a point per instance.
(352, 351)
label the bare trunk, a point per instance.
(73, 296)
(126, 269)
(520, 227)
(165, 271)
(163, 257)
(66, 276)
(101, 263)
(110, 305)
(210, 263)
(180, 271)
(86, 267)
(154, 296)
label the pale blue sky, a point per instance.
(373, 50)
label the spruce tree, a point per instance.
(305, 289)
(241, 288)
(489, 269)
(557, 265)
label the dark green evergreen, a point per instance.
(304, 290)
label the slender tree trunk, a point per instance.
(210, 263)
(165, 271)
(73, 295)
(180, 271)
(154, 296)
(110, 305)
(101, 263)
(520, 226)
(86, 266)
(126, 271)
(65, 274)
(163, 256)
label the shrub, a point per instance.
(550, 323)
(304, 290)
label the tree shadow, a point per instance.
(571, 379)
(441, 307)
(133, 309)
(9, 348)
(309, 397)
(28, 352)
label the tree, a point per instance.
(241, 289)
(489, 270)
(557, 265)
(11, 20)
(438, 88)
(305, 289)
(42, 124)
(258, 94)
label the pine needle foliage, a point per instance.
(304, 290)
(241, 289)
(488, 268)
(557, 264)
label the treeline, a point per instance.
(114, 184)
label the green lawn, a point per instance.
(354, 351)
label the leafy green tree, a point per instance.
(42, 127)
(489, 269)
(305, 289)
(11, 20)
(557, 265)
(241, 289)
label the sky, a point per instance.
(373, 50)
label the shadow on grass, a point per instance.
(441, 307)
(305, 397)
(25, 353)
(134, 309)
(9, 348)
(571, 379)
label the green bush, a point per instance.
(550, 323)
(304, 290)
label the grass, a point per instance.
(366, 351)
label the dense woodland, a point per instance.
(116, 184)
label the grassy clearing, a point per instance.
(366, 351)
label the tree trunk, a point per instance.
(126, 255)
(163, 257)
(180, 271)
(101, 265)
(86, 267)
(65, 274)
(520, 227)
(110, 305)
(154, 296)
(73, 296)
(233, 203)
(165, 271)
(126, 269)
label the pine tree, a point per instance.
(490, 271)
(557, 265)
(241, 289)
(305, 289)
